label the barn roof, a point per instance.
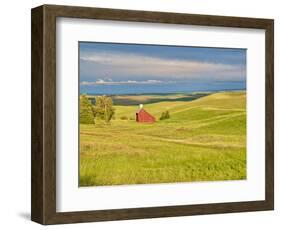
(143, 110)
(140, 110)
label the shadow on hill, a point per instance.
(148, 99)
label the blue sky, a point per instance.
(131, 64)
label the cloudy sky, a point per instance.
(124, 64)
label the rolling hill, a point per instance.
(204, 140)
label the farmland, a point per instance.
(203, 140)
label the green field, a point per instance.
(204, 140)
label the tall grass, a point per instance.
(204, 140)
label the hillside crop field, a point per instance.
(203, 140)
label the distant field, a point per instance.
(204, 140)
(151, 98)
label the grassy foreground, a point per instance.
(204, 140)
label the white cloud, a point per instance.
(141, 65)
(104, 82)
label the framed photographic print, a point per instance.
(141, 114)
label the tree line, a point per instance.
(103, 109)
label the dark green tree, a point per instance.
(87, 111)
(165, 115)
(104, 108)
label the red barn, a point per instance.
(143, 116)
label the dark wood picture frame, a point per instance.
(43, 170)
